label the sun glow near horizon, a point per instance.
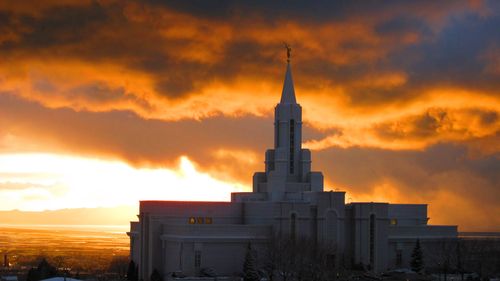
(37, 182)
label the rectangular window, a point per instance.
(192, 220)
(208, 220)
(199, 220)
(394, 221)
(399, 258)
(197, 259)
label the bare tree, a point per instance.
(461, 255)
(441, 255)
(481, 256)
(301, 259)
(119, 266)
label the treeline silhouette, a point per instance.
(117, 269)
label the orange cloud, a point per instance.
(382, 86)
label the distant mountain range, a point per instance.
(81, 216)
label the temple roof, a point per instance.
(288, 94)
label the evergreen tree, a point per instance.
(131, 274)
(417, 262)
(43, 271)
(136, 273)
(155, 276)
(32, 275)
(249, 268)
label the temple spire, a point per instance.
(288, 94)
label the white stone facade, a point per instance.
(287, 201)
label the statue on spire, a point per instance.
(288, 52)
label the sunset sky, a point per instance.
(104, 103)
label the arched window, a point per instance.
(372, 241)
(292, 145)
(293, 226)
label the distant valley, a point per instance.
(82, 216)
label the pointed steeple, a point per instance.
(288, 94)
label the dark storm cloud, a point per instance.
(448, 45)
(372, 57)
(60, 25)
(419, 176)
(445, 157)
(451, 56)
(105, 32)
(454, 57)
(398, 26)
(317, 11)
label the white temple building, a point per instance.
(288, 200)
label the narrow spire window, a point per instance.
(292, 145)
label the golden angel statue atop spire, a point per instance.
(288, 51)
